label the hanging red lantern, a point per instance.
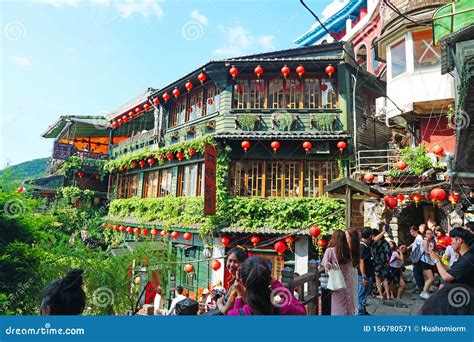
(166, 97)
(154, 232)
(122, 228)
(97, 176)
(416, 198)
(285, 71)
(19, 190)
(191, 152)
(133, 164)
(438, 150)
(138, 110)
(146, 106)
(114, 124)
(225, 240)
(215, 265)
(202, 77)
(137, 231)
(119, 121)
(258, 71)
(390, 201)
(156, 101)
(142, 163)
(180, 156)
(129, 230)
(300, 70)
(400, 198)
(151, 161)
(255, 240)
(323, 87)
(188, 268)
(125, 118)
(289, 240)
(169, 156)
(131, 114)
(280, 247)
(401, 165)
(176, 92)
(314, 231)
(233, 72)
(187, 236)
(341, 145)
(163, 233)
(174, 235)
(116, 227)
(438, 194)
(275, 146)
(322, 243)
(145, 232)
(188, 86)
(246, 145)
(330, 70)
(307, 146)
(81, 174)
(369, 178)
(261, 88)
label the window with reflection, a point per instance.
(426, 55)
(241, 94)
(196, 109)
(212, 99)
(398, 58)
(190, 180)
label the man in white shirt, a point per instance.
(178, 291)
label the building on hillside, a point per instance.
(279, 118)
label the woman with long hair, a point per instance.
(235, 259)
(257, 292)
(338, 256)
(353, 239)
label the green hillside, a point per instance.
(23, 171)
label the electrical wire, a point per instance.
(396, 10)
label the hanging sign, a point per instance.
(209, 180)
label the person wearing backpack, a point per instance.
(416, 254)
(256, 292)
(178, 298)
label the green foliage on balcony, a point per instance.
(416, 159)
(75, 164)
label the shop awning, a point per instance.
(452, 18)
(79, 125)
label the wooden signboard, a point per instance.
(209, 180)
(62, 151)
(357, 214)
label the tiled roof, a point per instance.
(283, 135)
(133, 221)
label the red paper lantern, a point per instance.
(129, 230)
(315, 231)
(225, 240)
(80, 174)
(453, 198)
(245, 145)
(137, 231)
(116, 227)
(341, 145)
(401, 165)
(400, 198)
(164, 233)
(323, 87)
(142, 163)
(215, 265)
(322, 243)
(176, 92)
(19, 190)
(307, 146)
(187, 236)
(122, 228)
(438, 150)
(138, 110)
(174, 235)
(134, 164)
(300, 70)
(369, 178)
(280, 247)
(156, 101)
(202, 77)
(119, 121)
(233, 72)
(275, 145)
(131, 114)
(188, 268)
(154, 232)
(416, 198)
(146, 106)
(390, 201)
(188, 86)
(255, 240)
(180, 155)
(166, 97)
(330, 70)
(169, 156)
(289, 240)
(151, 161)
(191, 152)
(125, 118)
(258, 71)
(285, 71)
(114, 124)
(438, 194)
(145, 232)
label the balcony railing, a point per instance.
(377, 162)
(135, 142)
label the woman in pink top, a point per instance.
(258, 294)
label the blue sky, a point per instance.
(63, 57)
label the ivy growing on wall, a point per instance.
(75, 164)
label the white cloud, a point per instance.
(59, 3)
(238, 41)
(23, 61)
(199, 17)
(333, 8)
(100, 2)
(144, 7)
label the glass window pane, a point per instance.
(399, 60)
(426, 56)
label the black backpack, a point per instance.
(187, 307)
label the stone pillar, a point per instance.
(301, 255)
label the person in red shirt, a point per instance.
(442, 240)
(150, 291)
